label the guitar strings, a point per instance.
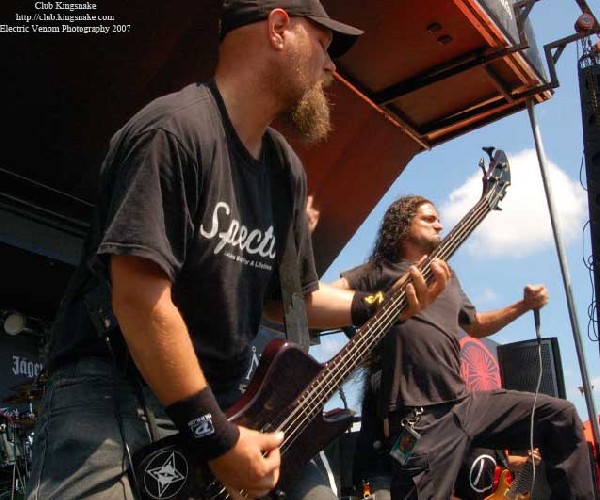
(346, 361)
(383, 317)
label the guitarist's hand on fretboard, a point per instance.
(420, 291)
(517, 462)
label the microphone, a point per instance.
(536, 320)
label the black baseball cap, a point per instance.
(237, 13)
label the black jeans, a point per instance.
(498, 419)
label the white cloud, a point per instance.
(522, 227)
(485, 297)
(329, 346)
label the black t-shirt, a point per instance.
(420, 357)
(178, 187)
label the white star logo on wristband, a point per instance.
(202, 426)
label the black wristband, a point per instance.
(364, 305)
(203, 425)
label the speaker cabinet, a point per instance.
(519, 366)
(519, 370)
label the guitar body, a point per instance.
(504, 489)
(284, 372)
(165, 469)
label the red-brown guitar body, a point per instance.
(284, 372)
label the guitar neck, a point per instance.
(523, 479)
(354, 353)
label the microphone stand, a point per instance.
(587, 391)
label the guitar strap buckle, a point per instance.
(413, 417)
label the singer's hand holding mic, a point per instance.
(535, 296)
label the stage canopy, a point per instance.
(426, 71)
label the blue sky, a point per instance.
(514, 247)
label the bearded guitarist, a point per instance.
(430, 418)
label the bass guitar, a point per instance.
(290, 388)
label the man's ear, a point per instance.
(277, 23)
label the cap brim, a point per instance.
(344, 35)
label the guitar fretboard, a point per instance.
(310, 402)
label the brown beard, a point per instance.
(426, 245)
(311, 116)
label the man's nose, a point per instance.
(329, 64)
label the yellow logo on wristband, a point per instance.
(375, 299)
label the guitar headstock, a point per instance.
(496, 178)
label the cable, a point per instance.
(536, 318)
(584, 186)
(589, 264)
(343, 397)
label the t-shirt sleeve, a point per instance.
(363, 277)
(467, 311)
(153, 201)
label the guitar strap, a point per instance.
(98, 300)
(294, 310)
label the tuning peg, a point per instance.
(481, 165)
(490, 151)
